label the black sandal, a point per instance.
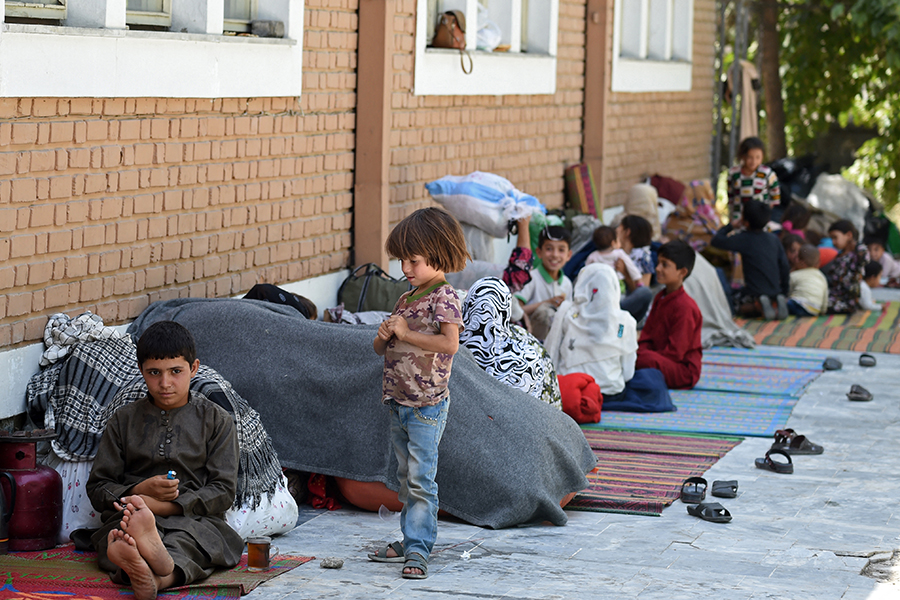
(858, 393)
(789, 442)
(693, 490)
(725, 489)
(710, 511)
(768, 464)
(832, 364)
(867, 360)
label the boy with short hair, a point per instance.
(809, 288)
(877, 252)
(549, 286)
(766, 270)
(670, 340)
(871, 280)
(165, 473)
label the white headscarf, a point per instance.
(591, 334)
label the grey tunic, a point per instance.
(197, 441)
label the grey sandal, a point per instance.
(867, 360)
(858, 393)
(415, 561)
(381, 555)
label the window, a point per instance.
(51, 10)
(238, 14)
(652, 45)
(149, 13)
(98, 50)
(527, 64)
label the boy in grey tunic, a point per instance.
(160, 532)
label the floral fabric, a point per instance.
(844, 274)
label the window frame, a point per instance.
(437, 71)
(104, 60)
(24, 9)
(152, 18)
(640, 64)
(240, 25)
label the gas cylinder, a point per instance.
(38, 509)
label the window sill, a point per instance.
(635, 75)
(107, 63)
(438, 73)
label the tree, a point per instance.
(770, 64)
(840, 63)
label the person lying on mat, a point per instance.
(165, 473)
(670, 340)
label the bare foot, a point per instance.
(123, 552)
(139, 523)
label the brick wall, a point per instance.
(665, 133)
(527, 139)
(109, 204)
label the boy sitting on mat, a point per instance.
(165, 473)
(670, 339)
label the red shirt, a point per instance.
(673, 330)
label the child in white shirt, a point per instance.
(871, 280)
(609, 252)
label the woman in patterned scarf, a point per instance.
(506, 352)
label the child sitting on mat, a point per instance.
(845, 272)
(165, 473)
(670, 340)
(809, 290)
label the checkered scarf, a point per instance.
(77, 396)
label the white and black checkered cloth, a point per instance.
(76, 397)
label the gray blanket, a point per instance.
(505, 458)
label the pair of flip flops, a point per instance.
(776, 466)
(858, 393)
(693, 490)
(789, 442)
(867, 360)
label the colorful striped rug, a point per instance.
(750, 380)
(753, 358)
(863, 331)
(641, 473)
(66, 574)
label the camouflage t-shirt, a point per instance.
(412, 376)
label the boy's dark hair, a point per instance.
(813, 237)
(640, 231)
(680, 253)
(603, 237)
(789, 239)
(166, 339)
(750, 143)
(809, 256)
(873, 269)
(433, 234)
(875, 240)
(797, 214)
(311, 310)
(554, 233)
(756, 214)
(844, 226)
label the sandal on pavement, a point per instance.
(710, 511)
(725, 489)
(867, 360)
(693, 490)
(832, 364)
(796, 444)
(858, 393)
(381, 555)
(777, 466)
(415, 561)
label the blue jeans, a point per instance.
(416, 434)
(796, 309)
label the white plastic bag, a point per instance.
(484, 200)
(489, 34)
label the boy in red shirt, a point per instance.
(670, 340)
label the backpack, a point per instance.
(370, 288)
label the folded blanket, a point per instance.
(581, 397)
(505, 459)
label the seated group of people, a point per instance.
(796, 271)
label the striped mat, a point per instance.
(864, 331)
(750, 379)
(641, 473)
(755, 358)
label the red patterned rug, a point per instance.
(65, 574)
(641, 473)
